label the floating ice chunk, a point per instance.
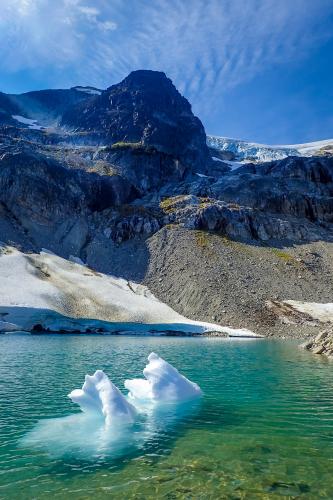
(89, 436)
(100, 396)
(163, 383)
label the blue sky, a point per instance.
(261, 70)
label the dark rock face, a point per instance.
(7, 109)
(132, 159)
(51, 102)
(44, 187)
(301, 187)
(47, 200)
(145, 108)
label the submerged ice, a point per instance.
(162, 383)
(111, 424)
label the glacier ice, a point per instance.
(162, 383)
(99, 395)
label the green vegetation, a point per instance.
(202, 238)
(127, 145)
(103, 168)
(169, 205)
(284, 256)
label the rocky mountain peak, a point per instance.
(147, 109)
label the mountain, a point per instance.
(126, 180)
(145, 109)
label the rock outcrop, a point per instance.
(322, 344)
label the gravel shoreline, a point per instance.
(208, 277)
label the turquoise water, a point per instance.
(264, 428)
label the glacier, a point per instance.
(246, 151)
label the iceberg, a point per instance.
(162, 383)
(100, 396)
(110, 424)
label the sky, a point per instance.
(259, 70)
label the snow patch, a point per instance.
(88, 90)
(203, 175)
(32, 124)
(319, 312)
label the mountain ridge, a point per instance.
(115, 192)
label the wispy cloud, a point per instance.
(205, 46)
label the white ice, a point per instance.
(100, 396)
(162, 383)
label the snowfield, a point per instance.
(45, 292)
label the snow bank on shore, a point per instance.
(45, 292)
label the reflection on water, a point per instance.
(263, 429)
(87, 436)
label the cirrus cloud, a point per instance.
(205, 46)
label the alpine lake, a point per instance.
(263, 428)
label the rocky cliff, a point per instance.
(321, 344)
